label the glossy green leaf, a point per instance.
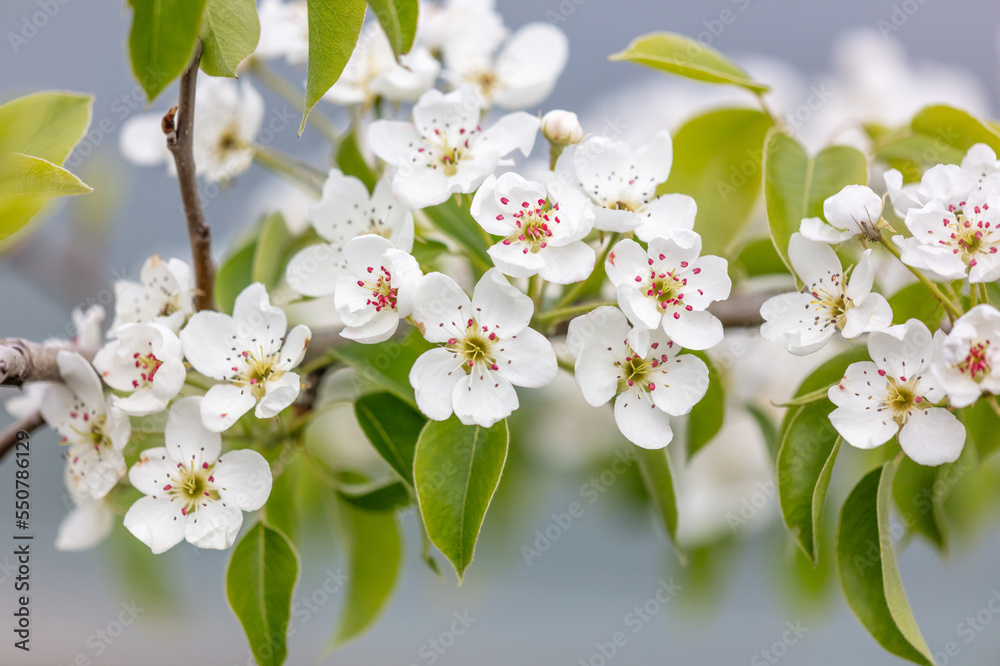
(387, 364)
(352, 163)
(385, 495)
(334, 27)
(796, 185)
(938, 134)
(759, 258)
(717, 158)
(954, 127)
(916, 302)
(706, 417)
(284, 504)
(457, 223)
(47, 124)
(399, 20)
(687, 57)
(768, 430)
(28, 183)
(457, 469)
(375, 555)
(807, 451)
(920, 502)
(270, 254)
(654, 465)
(393, 427)
(162, 40)
(235, 274)
(982, 426)
(260, 580)
(230, 31)
(869, 576)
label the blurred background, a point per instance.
(540, 591)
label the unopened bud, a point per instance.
(561, 128)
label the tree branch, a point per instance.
(180, 141)
(8, 438)
(24, 361)
(741, 311)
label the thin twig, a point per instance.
(9, 438)
(180, 141)
(23, 361)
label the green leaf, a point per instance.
(284, 505)
(759, 258)
(457, 469)
(938, 134)
(352, 163)
(235, 274)
(767, 429)
(375, 553)
(334, 27)
(706, 417)
(808, 447)
(796, 185)
(269, 255)
(915, 301)
(47, 124)
(388, 363)
(717, 158)
(230, 31)
(954, 127)
(981, 424)
(920, 501)
(162, 40)
(869, 576)
(687, 57)
(28, 183)
(457, 223)
(260, 580)
(399, 20)
(654, 465)
(393, 427)
(385, 495)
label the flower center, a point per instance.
(191, 485)
(449, 156)
(666, 287)
(975, 364)
(902, 398)
(622, 205)
(384, 295)
(835, 306)
(970, 234)
(475, 347)
(636, 370)
(532, 223)
(229, 140)
(147, 365)
(258, 371)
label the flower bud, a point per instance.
(561, 128)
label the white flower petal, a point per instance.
(213, 525)
(483, 398)
(279, 394)
(932, 436)
(641, 422)
(433, 377)
(158, 523)
(243, 479)
(224, 404)
(187, 439)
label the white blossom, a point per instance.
(164, 295)
(91, 426)
(486, 349)
(670, 285)
(968, 357)
(640, 369)
(378, 291)
(853, 212)
(345, 211)
(144, 360)
(445, 150)
(542, 228)
(441, 23)
(191, 491)
(250, 353)
(561, 128)
(977, 177)
(88, 523)
(803, 322)
(895, 393)
(284, 31)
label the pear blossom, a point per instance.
(486, 349)
(250, 353)
(622, 185)
(853, 212)
(561, 128)
(896, 393)
(977, 177)
(93, 428)
(953, 242)
(373, 72)
(191, 491)
(146, 361)
(228, 116)
(87, 524)
(445, 150)
(670, 286)
(345, 211)
(379, 290)
(521, 75)
(640, 369)
(967, 363)
(87, 327)
(441, 23)
(803, 322)
(164, 295)
(284, 31)
(542, 233)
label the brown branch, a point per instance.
(24, 361)
(180, 141)
(9, 438)
(741, 311)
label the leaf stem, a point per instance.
(555, 316)
(301, 173)
(574, 292)
(953, 312)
